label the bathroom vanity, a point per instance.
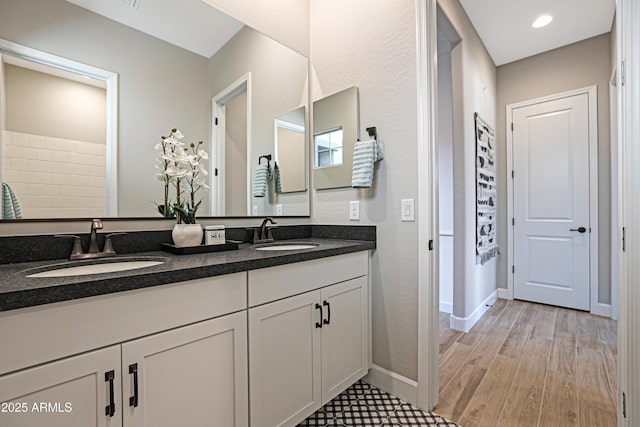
(255, 338)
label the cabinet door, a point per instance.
(345, 336)
(191, 376)
(73, 392)
(284, 360)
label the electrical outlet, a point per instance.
(354, 210)
(279, 210)
(407, 210)
(254, 210)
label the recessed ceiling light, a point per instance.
(542, 21)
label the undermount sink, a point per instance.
(282, 246)
(107, 266)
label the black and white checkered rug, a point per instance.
(364, 405)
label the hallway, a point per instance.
(526, 364)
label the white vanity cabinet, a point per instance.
(188, 356)
(287, 339)
(192, 376)
(82, 391)
(307, 348)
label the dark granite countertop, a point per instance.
(18, 291)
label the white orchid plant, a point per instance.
(181, 166)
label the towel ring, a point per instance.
(266, 156)
(373, 132)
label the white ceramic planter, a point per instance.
(187, 235)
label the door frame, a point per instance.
(428, 207)
(217, 182)
(592, 93)
(616, 178)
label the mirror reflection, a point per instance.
(291, 151)
(328, 146)
(335, 132)
(81, 143)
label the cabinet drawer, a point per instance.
(48, 332)
(273, 283)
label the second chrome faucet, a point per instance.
(263, 233)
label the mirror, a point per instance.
(291, 151)
(151, 79)
(335, 132)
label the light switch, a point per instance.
(354, 210)
(408, 210)
(279, 209)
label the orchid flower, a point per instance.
(179, 164)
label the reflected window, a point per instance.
(328, 148)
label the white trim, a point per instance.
(111, 80)
(427, 215)
(465, 324)
(603, 310)
(243, 84)
(592, 93)
(503, 293)
(628, 15)
(394, 384)
(615, 179)
(446, 307)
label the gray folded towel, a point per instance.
(277, 182)
(10, 206)
(365, 155)
(260, 179)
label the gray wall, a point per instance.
(372, 45)
(445, 175)
(42, 104)
(571, 67)
(156, 91)
(474, 88)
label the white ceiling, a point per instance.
(505, 25)
(191, 24)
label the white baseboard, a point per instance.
(503, 293)
(394, 384)
(464, 324)
(603, 310)
(446, 307)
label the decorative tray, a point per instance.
(191, 250)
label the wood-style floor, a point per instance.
(526, 364)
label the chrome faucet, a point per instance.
(94, 251)
(96, 225)
(261, 235)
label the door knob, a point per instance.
(579, 229)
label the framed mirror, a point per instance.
(335, 132)
(147, 78)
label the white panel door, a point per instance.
(81, 391)
(284, 361)
(551, 202)
(191, 376)
(344, 336)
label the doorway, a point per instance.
(552, 158)
(231, 150)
